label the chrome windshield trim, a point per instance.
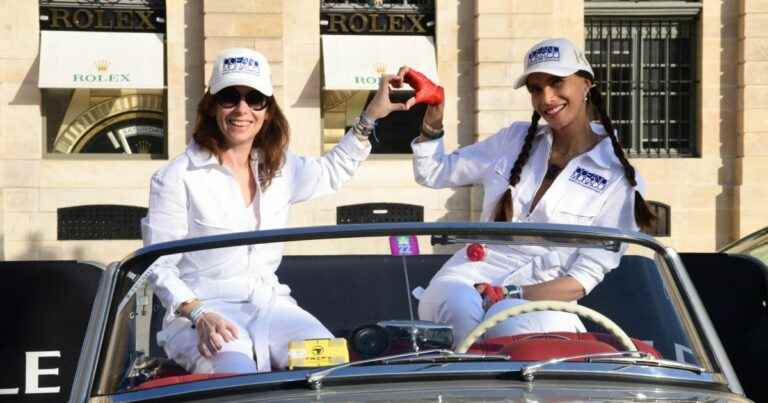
(94, 336)
(298, 379)
(138, 261)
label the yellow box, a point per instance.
(317, 352)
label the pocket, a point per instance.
(203, 228)
(577, 208)
(211, 261)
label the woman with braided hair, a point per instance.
(567, 171)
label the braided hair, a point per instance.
(643, 215)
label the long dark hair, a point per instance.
(271, 141)
(643, 215)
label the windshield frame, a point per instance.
(118, 283)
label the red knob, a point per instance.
(426, 91)
(475, 252)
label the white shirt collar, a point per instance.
(200, 157)
(602, 153)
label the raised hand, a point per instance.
(212, 332)
(380, 106)
(426, 91)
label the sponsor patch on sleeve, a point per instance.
(589, 180)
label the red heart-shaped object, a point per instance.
(475, 252)
(426, 91)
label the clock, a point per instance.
(130, 124)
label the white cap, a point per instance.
(241, 66)
(558, 57)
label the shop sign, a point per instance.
(75, 17)
(101, 75)
(377, 23)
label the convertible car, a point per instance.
(649, 336)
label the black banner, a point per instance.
(104, 15)
(377, 23)
(45, 311)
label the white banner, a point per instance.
(76, 59)
(355, 62)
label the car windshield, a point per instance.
(755, 245)
(366, 284)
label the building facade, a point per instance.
(688, 83)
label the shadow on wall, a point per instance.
(727, 225)
(28, 93)
(36, 249)
(194, 62)
(310, 93)
(466, 87)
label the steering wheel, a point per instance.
(558, 306)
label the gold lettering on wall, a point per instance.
(59, 18)
(377, 23)
(101, 19)
(337, 23)
(358, 23)
(396, 23)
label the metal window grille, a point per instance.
(378, 213)
(645, 68)
(100, 222)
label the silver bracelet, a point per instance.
(197, 313)
(431, 133)
(363, 127)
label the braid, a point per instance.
(503, 211)
(597, 101)
(643, 215)
(525, 152)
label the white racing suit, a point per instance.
(194, 195)
(590, 190)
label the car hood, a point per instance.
(560, 391)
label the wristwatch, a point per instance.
(514, 291)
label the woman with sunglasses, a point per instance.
(570, 170)
(226, 309)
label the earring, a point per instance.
(586, 96)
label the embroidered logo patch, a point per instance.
(589, 180)
(241, 65)
(544, 54)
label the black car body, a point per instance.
(346, 277)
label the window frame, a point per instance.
(659, 15)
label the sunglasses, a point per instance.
(230, 97)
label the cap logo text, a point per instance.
(241, 64)
(544, 54)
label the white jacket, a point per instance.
(590, 190)
(194, 195)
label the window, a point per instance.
(102, 77)
(663, 212)
(646, 67)
(361, 40)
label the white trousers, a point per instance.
(270, 332)
(460, 305)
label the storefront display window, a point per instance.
(361, 41)
(102, 77)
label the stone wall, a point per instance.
(715, 197)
